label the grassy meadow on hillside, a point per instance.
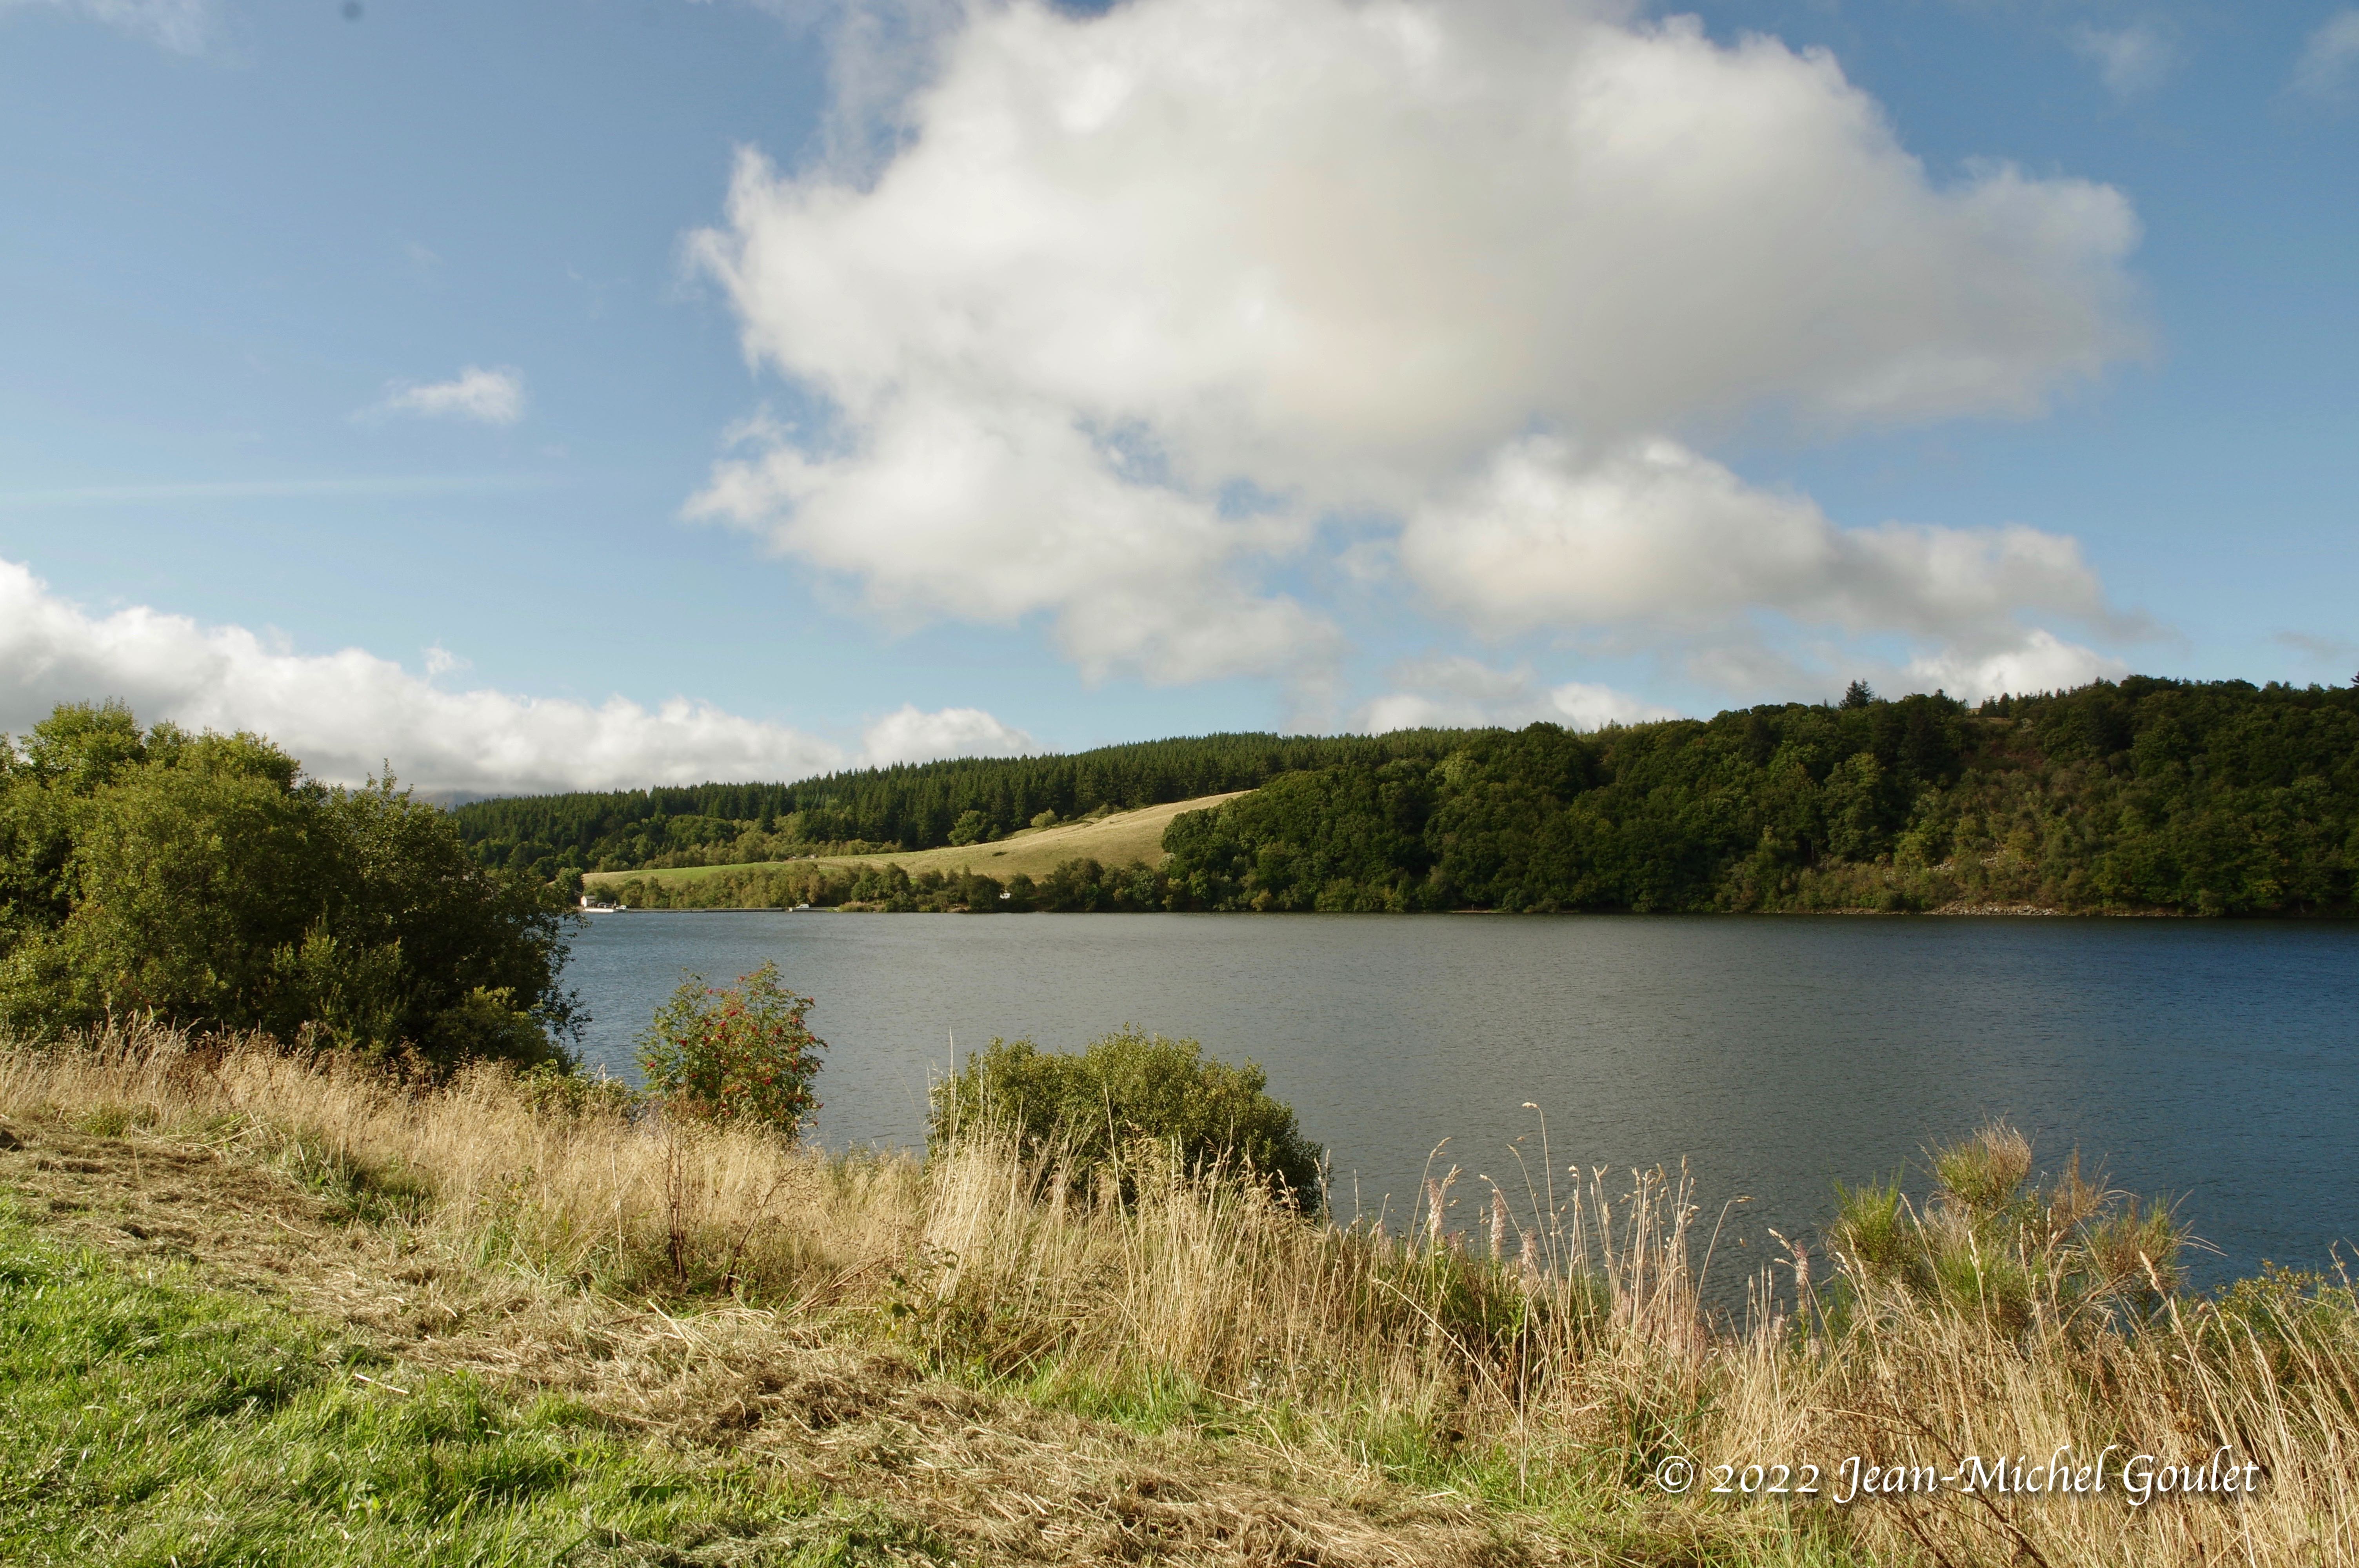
(1118, 838)
(905, 807)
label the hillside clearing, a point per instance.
(1120, 840)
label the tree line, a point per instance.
(1081, 886)
(2203, 799)
(904, 807)
(2210, 798)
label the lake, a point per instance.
(2214, 1062)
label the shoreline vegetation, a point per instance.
(2143, 796)
(1085, 887)
(294, 1305)
(204, 879)
(315, 1247)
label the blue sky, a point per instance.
(1058, 379)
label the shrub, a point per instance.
(1994, 1242)
(1874, 1226)
(202, 879)
(735, 1054)
(1126, 1087)
(1984, 1172)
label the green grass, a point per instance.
(1116, 841)
(147, 1420)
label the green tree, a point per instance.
(204, 880)
(732, 1053)
(2211, 798)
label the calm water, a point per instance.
(2217, 1063)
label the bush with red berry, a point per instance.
(738, 1054)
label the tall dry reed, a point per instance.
(1563, 1362)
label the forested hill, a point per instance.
(2149, 794)
(912, 807)
(2218, 798)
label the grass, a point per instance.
(152, 1419)
(1034, 1372)
(1119, 840)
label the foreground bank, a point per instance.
(882, 1359)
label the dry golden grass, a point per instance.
(1120, 840)
(1334, 1396)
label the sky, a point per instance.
(603, 393)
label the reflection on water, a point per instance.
(2216, 1061)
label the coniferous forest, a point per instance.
(2141, 795)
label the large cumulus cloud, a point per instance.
(1133, 303)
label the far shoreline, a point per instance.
(1975, 912)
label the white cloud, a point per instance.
(1456, 691)
(1109, 270)
(347, 714)
(2038, 661)
(184, 26)
(994, 514)
(486, 396)
(2130, 61)
(1656, 536)
(910, 735)
(2329, 59)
